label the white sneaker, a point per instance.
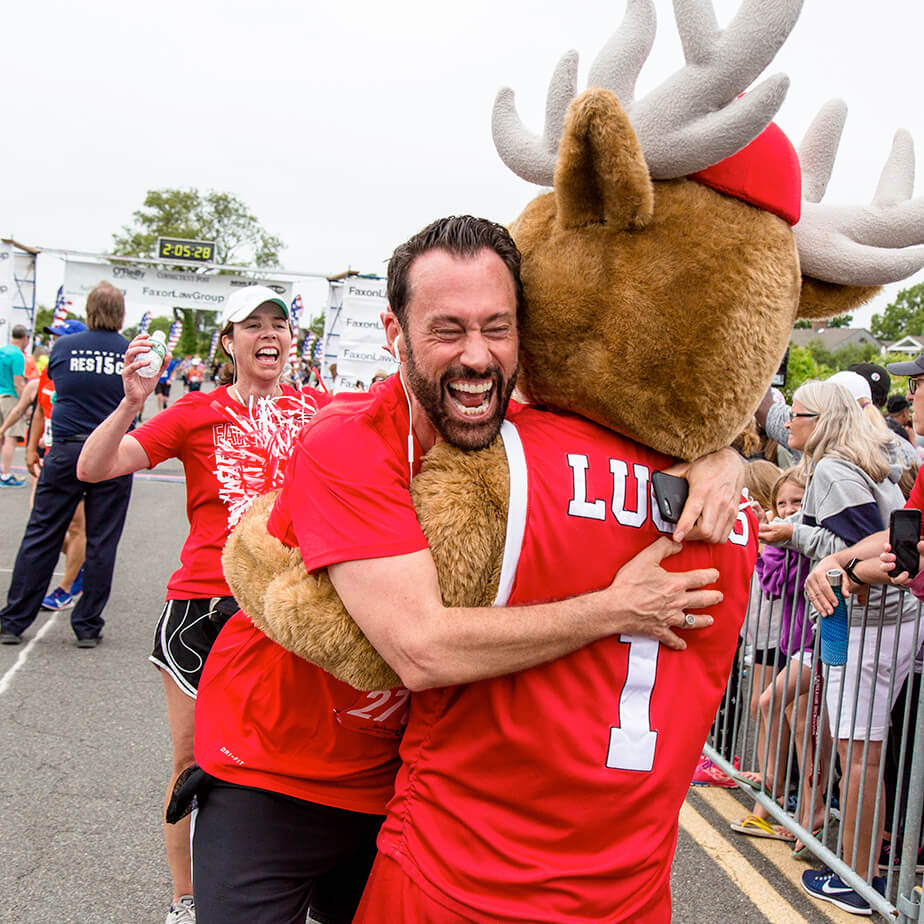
(182, 911)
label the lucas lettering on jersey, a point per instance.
(625, 487)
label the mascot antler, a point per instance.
(695, 118)
(859, 245)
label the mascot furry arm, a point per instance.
(461, 500)
(683, 232)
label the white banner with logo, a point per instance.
(354, 333)
(7, 291)
(149, 288)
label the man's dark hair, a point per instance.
(19, 331)
(461, 236)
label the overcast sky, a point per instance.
(347, 126)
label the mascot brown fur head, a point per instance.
(660, 306)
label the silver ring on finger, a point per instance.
(690, 620)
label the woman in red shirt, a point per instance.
(204, 430)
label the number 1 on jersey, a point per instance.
(632, 745)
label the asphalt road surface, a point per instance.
(85, 755)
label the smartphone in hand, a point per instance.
(904, 536)
(671, 494)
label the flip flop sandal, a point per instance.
(803, 853)
(751, 779)
(754, 826)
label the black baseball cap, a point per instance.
(912, 367)
(878, 378)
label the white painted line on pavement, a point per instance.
(24, 654)
(751, 883)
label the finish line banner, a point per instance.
(354, 333)
(148, 288)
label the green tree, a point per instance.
(802, 367)
(43, 318)
(221, 217)
(317, 325)
(841, 321)
(903, 316)
(162, 322)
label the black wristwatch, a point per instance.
(848, 570)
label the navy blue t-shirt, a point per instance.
(86, 369)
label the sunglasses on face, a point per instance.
(913, 385)
(793, 416)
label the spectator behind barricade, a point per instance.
(781, 575)
(898, 417)
(850, 493)
(772, 413)
(901, 453)
(12, 383)
(866, 562)
(781, 572)
(873, 403)
(771, 416)
(86, 370)
(761, 632)
(880, 382)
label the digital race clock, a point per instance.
(172, 248)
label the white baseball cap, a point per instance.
(244, 302)
(854, 383)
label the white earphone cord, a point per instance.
(410, 428)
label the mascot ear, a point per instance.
(601, 176)
(828, 299)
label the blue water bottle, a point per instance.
(834, 628)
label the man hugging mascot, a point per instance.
(682, 236)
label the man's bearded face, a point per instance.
(466, 406)
(461, 343)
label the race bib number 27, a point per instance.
(378, 712)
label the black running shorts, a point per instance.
(184, 637)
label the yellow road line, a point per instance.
(743, 874)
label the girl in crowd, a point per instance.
(850, 492)
(781, 574)
(256, 336)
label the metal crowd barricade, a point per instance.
(787, 741)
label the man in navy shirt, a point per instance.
(86, 370)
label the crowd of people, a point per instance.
(855, 462)
(384, 805)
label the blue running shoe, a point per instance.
(58, 599)
(77, 586)
(11, 481)
(825, 884)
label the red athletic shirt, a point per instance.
(46, 388)
(268, 719)
(189, 430)
(553, 794)
(916, 497)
